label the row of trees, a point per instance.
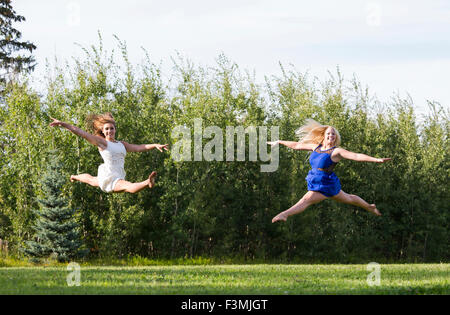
(220, 208)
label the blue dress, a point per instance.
(321, 178)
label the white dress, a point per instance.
(110, 172)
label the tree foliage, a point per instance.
(56, 230)
(223, 208)
(11, 61)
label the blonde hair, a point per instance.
(313, 132)
(95, 123)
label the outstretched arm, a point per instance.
(294, 145)
(94, 140)
(144, 147)
(340, 153)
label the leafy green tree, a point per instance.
(223, 209)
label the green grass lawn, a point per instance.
(228, 279)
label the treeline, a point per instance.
(221, 208)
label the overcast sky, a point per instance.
(391, 46)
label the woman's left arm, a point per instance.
(340, 153)
(144, 147)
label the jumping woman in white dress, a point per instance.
(111, 174)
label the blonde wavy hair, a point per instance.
(313, 132)
(95, 123)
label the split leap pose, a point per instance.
(111, 174)
(323, 183)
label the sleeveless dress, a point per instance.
(110, 172)
(322, 178)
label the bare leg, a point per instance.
(85, 178)
(125, 186)
(356, 201)
(310, 198)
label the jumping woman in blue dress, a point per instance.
(323, 183)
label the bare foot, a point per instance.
(372, 208)
(280, 217)
(152, 178)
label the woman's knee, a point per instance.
(131, 188)
(353, 198)
(306, 200)
(312, 198)
(93, 181)
(343, 197)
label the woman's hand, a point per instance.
(94, 140)
(160, 147)
(382, 160)
(273, 143)
(56, 123)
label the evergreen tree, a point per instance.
(10, 43)
(55, 227)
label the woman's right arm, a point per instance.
(94, 140)
(295, 145)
